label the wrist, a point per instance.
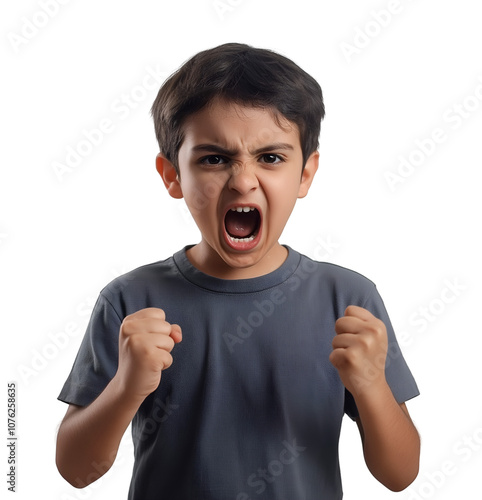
(367, 383)
(373, 392)
(123, 397)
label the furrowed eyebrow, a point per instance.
(213, 148)
(277, 146)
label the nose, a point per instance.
(243, 178)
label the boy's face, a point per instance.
(240, 175)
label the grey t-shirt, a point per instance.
(251, 407)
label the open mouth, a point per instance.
(242, 224)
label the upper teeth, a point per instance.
(242, 209)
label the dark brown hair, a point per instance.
(245, 75)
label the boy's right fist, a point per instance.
(146, 340)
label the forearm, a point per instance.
(391, 443)
(89, 437)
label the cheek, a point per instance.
(201, 195)
(285, 190)
(283, 199)
(280, 209)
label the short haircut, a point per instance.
(243, 75)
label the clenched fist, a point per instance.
(360, 350)
(146, 340)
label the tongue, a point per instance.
(241, 224)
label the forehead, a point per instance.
(228, 123)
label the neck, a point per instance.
(206, 260)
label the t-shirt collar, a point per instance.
(197, 277)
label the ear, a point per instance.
(308, 174)
(169, 176)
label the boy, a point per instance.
(275, 347)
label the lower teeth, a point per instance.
(242, 240)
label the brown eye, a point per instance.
(213, 160)
(271, 158)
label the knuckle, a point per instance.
(350, 357)
(375, 330)
(339, 325)
(158, 313)
(126, 325)
(353, 310)
(169, 343)
(350, 310)
(333, 358)
(379, 331)
(136, 344)
(167, 360)
(364, 342)
(380, 325)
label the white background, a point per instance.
(390, 81)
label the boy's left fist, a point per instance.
(360, 350)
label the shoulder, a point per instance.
(332, 282)
(141, 279)
(328, 283)
(334, 274)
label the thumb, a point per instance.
(176, 333)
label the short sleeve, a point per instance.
(398, 375)
(97, 359)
